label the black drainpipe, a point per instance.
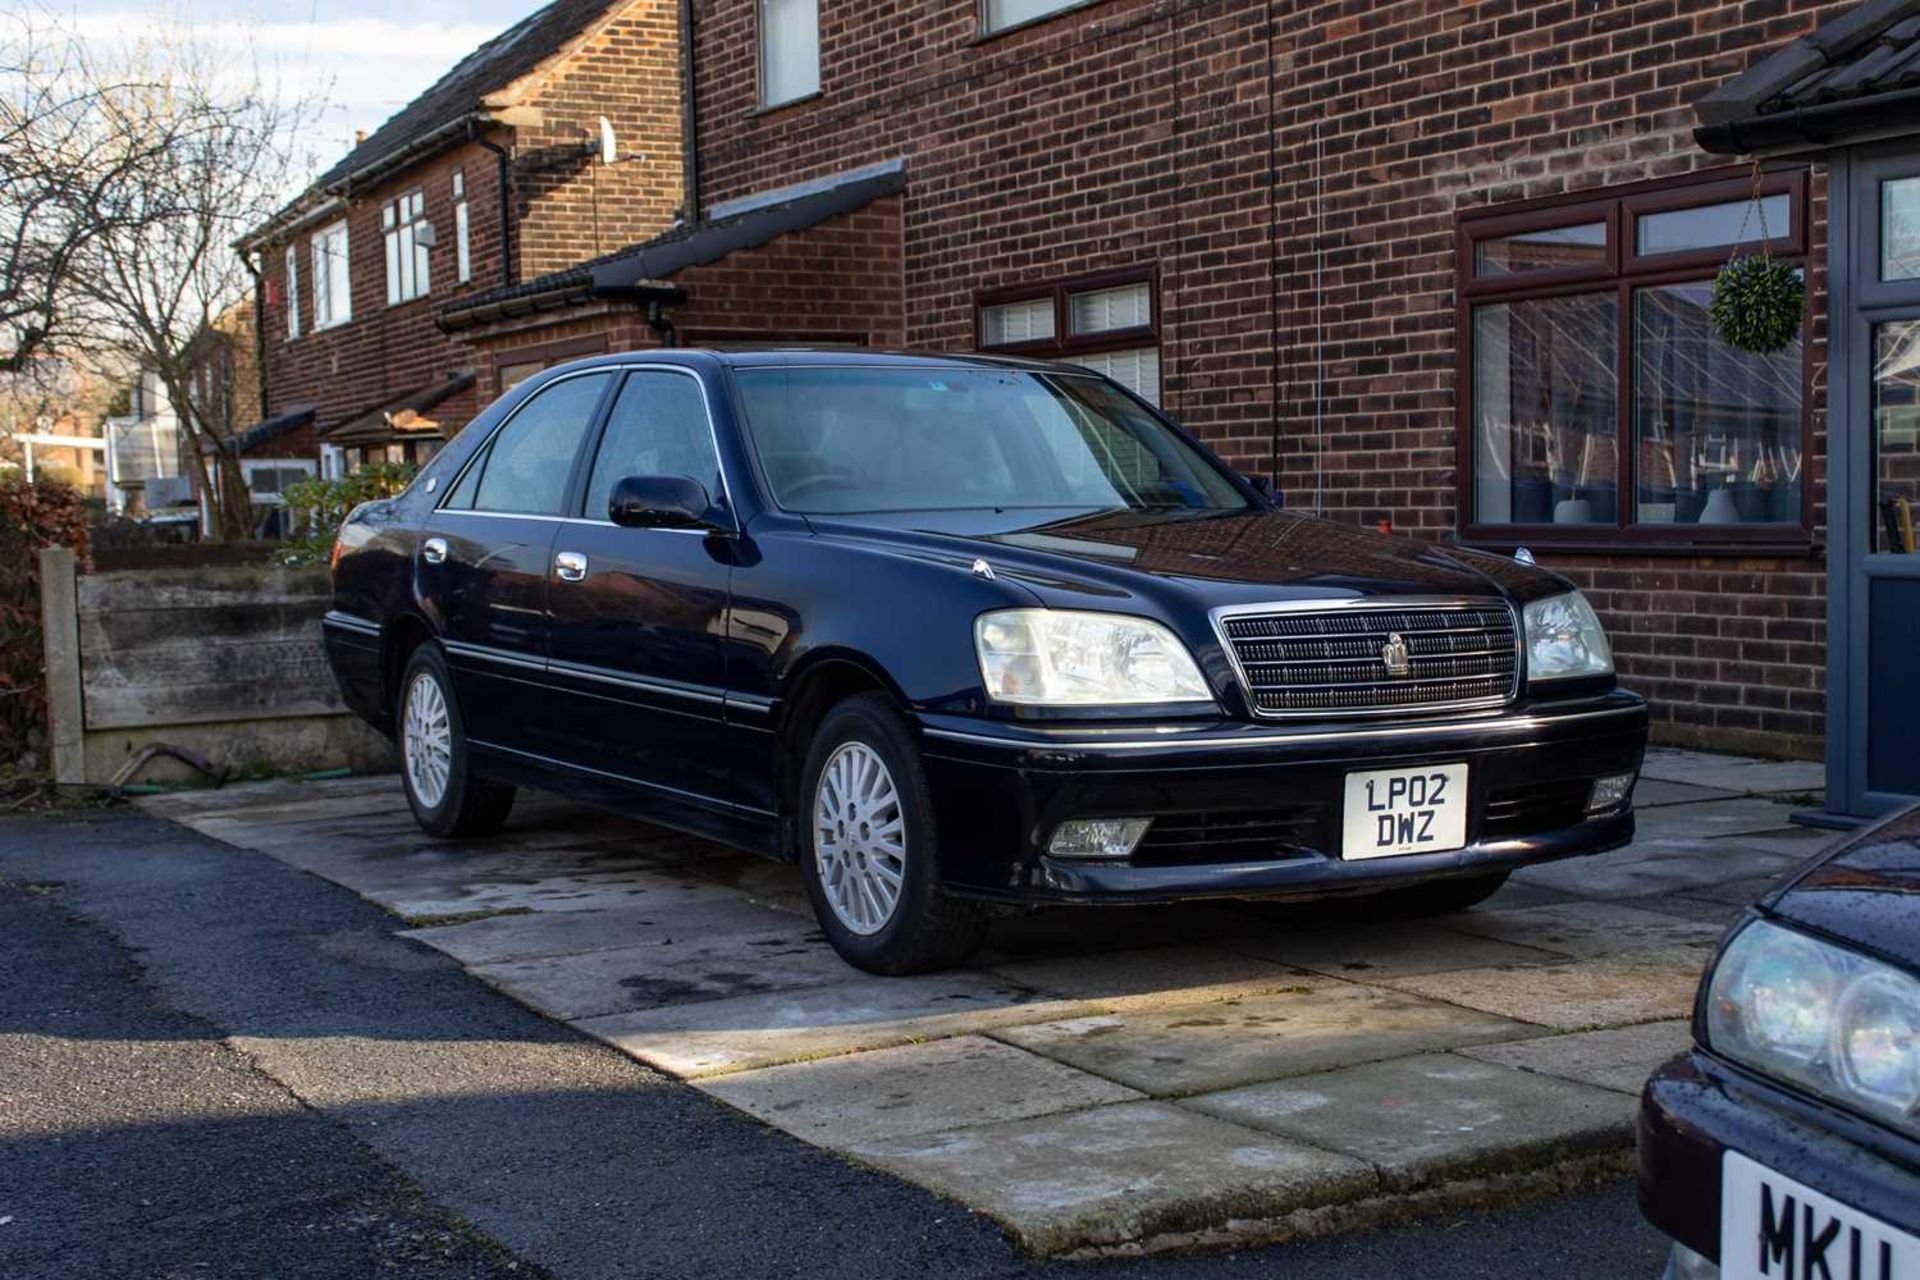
(689, 119)
(259, 329)
(504, 183)
(661, 323)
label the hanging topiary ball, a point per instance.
(1758, 304)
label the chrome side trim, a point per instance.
(551, 762)
(349, 622)
(1218, 618)
(486, 653)
(1359, 734)
(583, 671)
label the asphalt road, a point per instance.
(212, 1065)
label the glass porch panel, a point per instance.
(1896, 436)
(1551, 249)
(1545, 405)
(1900, 229)
(1893, 709)
(1717, 431)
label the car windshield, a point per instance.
(833, 440)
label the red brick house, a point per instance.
(497, 173)
(1437, 263)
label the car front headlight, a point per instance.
(1844, 1026)
(1069, 658)
(1565, 639)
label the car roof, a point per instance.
(777, 356)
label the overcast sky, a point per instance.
(367, 58)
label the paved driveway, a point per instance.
(1100, 1079)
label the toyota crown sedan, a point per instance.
(1786, 1144)
(960, 633)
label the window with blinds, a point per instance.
(1110, 323)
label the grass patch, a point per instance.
(463, 917)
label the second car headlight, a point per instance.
(1840, 1024)
(1066, 657)
(1565, 639)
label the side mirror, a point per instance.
(1263, 485)
(659, 502)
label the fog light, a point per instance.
(1097, 837)
(1684, 1264)
(1610, 793)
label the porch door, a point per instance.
(1873, 641)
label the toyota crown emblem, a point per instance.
(1394, 654)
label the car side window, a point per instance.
(658, 427)
(527, 464)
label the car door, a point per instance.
(484, 556)
(636, 616)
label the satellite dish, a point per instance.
(608, 151)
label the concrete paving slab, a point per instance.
(1605, 991)
(595, 891)
(1086, 931)
(717, 1036)
(1618, 1058)
(1586, 928)
(1652, 793)
(1739, 816)
(674, 967)
(1118, 1174)
(1734, 773)
(1316, 1025)
(1794, 842)
(1388, 948)
(1150, 976)
(1654, 867)
(914, 1089)
(676, 912)
(1424, 1119)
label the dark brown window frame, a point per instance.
(1065, 344)
(1624, 271)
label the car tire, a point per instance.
(1436, 897)
(869, 848)
(447, 798)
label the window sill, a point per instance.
(984, 35)
(1789, 545)
(332, 324)
(775, 108)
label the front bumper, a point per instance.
(1001, 788)
(1697, 1107)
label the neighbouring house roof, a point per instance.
(406, 417)
(1851, 79)
(443, 112)
(267, 430)
(640, 273)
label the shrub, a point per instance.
(319, 506)
(32, 516)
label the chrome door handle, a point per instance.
(570, 565)
(434, 550)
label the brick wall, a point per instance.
(571, 206)
(1295, 171)
(837, 282)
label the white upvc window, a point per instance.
(332, 279)
(998, 15)
(462, 234)
(409, 235)
(293, 292)
(789, 50)
(268, 478)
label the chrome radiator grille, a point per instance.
(1372, 659)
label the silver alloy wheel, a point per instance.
(859, 838)
(426, 740)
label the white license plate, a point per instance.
(1779, 1229)
(1394, 811)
